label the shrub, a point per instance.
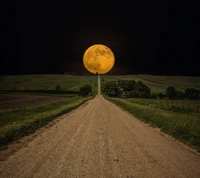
(161, 95)
(58, 88)
(143, 95)
(192, 93)
(171, 92)
(180, 94)
(85, 90)
(153, 96)
(89, 88)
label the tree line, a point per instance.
(137, 89)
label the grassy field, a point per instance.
(159, 83)
(21, 114)
(183, 106)
(184, 126)
(16, 101)
(45, 84)
(18, 123)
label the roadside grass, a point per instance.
(182, 126)
(159, 83)
(18, 123)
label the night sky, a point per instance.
(147, 37)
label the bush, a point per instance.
(153, 96)
(110, 89)
(58, 88)
(180, 95)
(161, 95)
(171, 92)
(85, 90)
(191, 93)
(143, 95)
(89, 88)
(112, 93)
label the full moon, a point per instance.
(98, 59)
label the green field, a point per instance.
(71, 83)
(46, 83)
(159, 83)
(183, 106)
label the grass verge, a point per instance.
(16, 124)
(182, 126)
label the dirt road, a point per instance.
(99, 140)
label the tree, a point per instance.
(143, 90)
(143, 95)
(58, 88)
(153, 96)
(89, 88)
(191, 93)
(126, 89)
(85, 90)
(171, 92)
(111, 89)
(180, 94)
(161, 95)
(112, 93)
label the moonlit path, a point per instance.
(100, 140)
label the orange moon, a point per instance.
(98, 59)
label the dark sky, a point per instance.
(147, 37)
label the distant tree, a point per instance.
(129, 94)
(112, 93)
(132, 89)
(191, 93)
(180, 94)
(58, 88)
(85, 90)
(111, 89)
(126, 89)
(143, 95)
(171, 92)
(126, 85)
(143, 90)
(153, 96)
(89, 88)
(161, 95)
